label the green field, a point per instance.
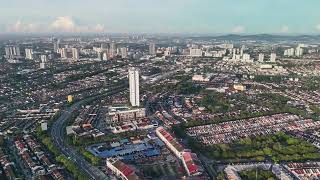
(258, 174)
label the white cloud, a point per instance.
(59, 24)
(23, 27)
(284, 29)
(318, 27)
(238, 29)
(63, 23)
(99, 28)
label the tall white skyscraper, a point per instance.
(152, 48)
(44, 58)
(105, 55)
(16, 51)
(113, 49)
(7, 50)
(299, 51)
(261, 57)
(29, 54)
(134, 86)
(123, 52)
(273, 57)
(242, 49)
(246, 57)
(75, 54)
(63, 53)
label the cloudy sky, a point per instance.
(161, 16)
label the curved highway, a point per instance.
(58, 133)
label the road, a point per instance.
(58, 136)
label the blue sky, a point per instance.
(162, 16)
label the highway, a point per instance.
(58, 131)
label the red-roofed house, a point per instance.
(121, 170)
(170, 142)
(192, 164)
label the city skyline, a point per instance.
(188, 16)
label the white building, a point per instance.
(289, 52)
(63, 53)
(119, 114)
(299, 51)
(134, 86)
(273, 57)
(75, 54)
(261, 57)
(195, 52)
(152, 48)
(201, 78)
(246, 57)
(105, 56)
(12, 51)
(113, 49)
(167, 53)
(29, 54)
(16, 51)
(44, 58)
(124, 53)
(241, 50)
(234, 52)
(43, 65)
(227, 46)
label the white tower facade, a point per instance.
(134, 86)
(75, 54)
(63, 53)
(29, 54)
(273, 57)
(152, 48)
(261, 57)
(123, 52)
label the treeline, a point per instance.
(71, 167)
(215, 102)
(257, 174)
(47, 141)
(276, 147)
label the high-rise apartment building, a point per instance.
(261, 57)
(273, 57)
(75, 54)
(112, 49)
(63, 53)
(134, 86)
(29, 54)
(152, 48)
(123, 52)
(12, 51)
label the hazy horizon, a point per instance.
(281, 17)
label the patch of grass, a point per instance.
(258, 174)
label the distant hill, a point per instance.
(264, 37)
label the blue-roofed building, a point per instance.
(152, 153)
(124, 141)
(124, 151)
